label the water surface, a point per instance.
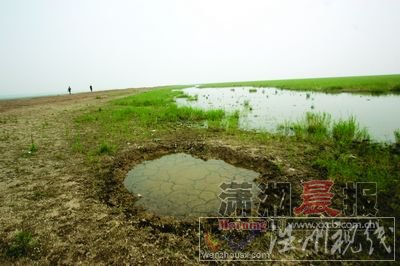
(266, 108)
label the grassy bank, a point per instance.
(145, 116)
(367, 84)
(346, 153)
(341, 150)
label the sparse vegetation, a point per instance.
(77, 145)
(33, 147)
(21, 244)
(397, 136)
(193, 98)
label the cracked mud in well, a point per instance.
(181, 185)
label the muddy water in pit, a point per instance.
(182, 186)
(266, 108)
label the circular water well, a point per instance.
(183, 180)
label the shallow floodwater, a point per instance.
(266, 108)
(181, 185)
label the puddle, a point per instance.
(266, 108)
(182, 186)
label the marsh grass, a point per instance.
(320, 127)
(348, 154)
(360, 162)
(314, 126)
(396, 88)
(348, 131)
(231, 123)
(193, 98)
(370, 84)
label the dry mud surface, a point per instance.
(81, 216)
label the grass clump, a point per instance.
(231, 122)
(397, 136)
(348, 130)
(105, 148)
(77, 145)
(21, 244)
(319, 126)
(246, 103)
(314, 126)
(33, 147)
(193, 98)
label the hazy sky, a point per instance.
(48, 45)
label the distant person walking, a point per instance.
(91, 88)
(69, 90)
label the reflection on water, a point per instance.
(181, 185)
(266, 108)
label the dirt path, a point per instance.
(44, 192)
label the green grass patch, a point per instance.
(21, 244)
(33, 148)
(397, 136)
(77, 145)
(140, 116)
(361, 162)
(315, 126)
(348, 154)
(105, 148)
(320, 127)
(368, 84)
(348, 131)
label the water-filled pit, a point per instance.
(181, 185)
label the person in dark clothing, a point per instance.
(91, 88)
(69, 90)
